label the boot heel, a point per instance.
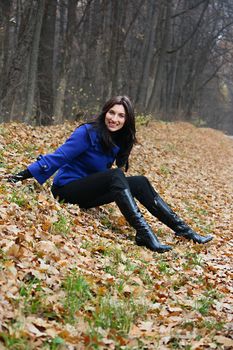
(139, 241)
(150, 241)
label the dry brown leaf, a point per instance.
(224, 340)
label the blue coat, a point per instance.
(81, 155)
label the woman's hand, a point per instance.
(22, 175)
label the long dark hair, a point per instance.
(125, 137)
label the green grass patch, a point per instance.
(18, 198)
(117, 314)
(3, 161)
(164, 169)
(192, 260)
(205, 302)
(115, 259)
(143, 119)
(12, 342)
(62, 226)
(211, 325)
(33, 296)
(78, 292)
(164, 267)
(176, 342)
(56, 343)
(24, 196)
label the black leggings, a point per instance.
(101, 188)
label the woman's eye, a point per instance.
(111, 112)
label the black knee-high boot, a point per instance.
(145, 236)
(165, 214)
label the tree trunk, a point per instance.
(66, 73)
(45, 64)
(59, 79)
(5, 41)
(15, 76)
(146, 59)
(32, 74)
(157, 94)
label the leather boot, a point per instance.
(166, 215)
(145, 236)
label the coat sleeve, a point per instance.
(47, 165)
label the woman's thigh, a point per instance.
(84, 191)
(92, 190)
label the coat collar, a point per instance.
(94, 137)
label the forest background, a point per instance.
(61, 59)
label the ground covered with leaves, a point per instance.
(74, 279)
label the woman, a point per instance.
(85, 176)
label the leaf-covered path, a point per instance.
(73, 279)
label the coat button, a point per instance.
(44, 167)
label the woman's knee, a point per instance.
(140, 186)
(143, 179)
(139, 180)
(119, 179)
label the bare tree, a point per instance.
(33, 63)
(14, 79)
(45, 76)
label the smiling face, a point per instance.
(115, 118)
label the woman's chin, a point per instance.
(113, 128)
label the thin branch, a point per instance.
(193, 33)
(189, 9)
(211, 77)
(133, 19)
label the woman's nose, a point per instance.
(114, 117)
